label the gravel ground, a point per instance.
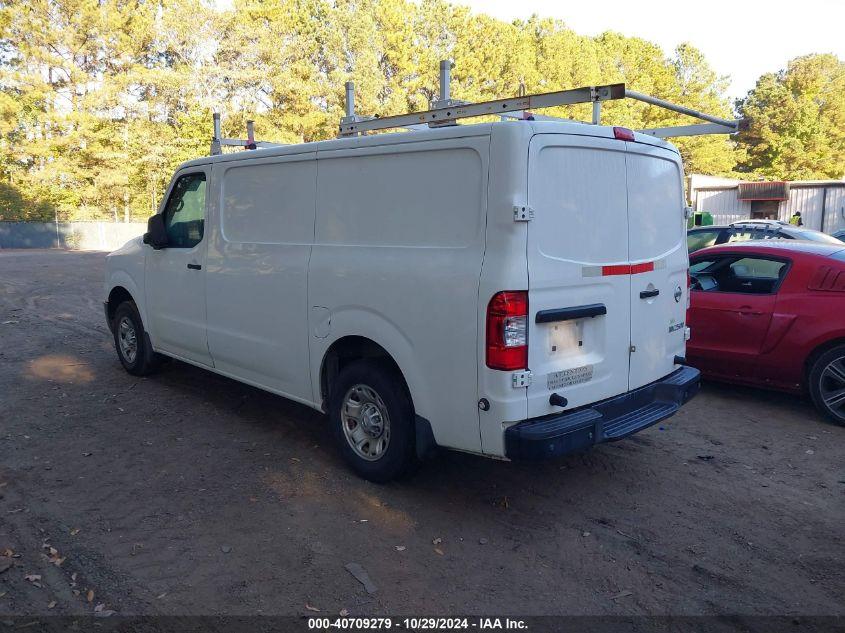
(188, 493)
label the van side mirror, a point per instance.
(156, 235)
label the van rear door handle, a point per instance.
(195, 266)
(648, 294)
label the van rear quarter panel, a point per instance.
(399, 242)
(505, 268)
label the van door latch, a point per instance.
(521, 379)
(522, 213)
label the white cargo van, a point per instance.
(513, 289)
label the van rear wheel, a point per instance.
(373, 421)
(827, 384)
(131, 341)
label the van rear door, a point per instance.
(579, 290)
(659, 261)
(607, 264)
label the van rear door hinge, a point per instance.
(521, 379)
(522, 213)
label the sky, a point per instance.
(740, 38)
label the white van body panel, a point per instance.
(397, 256)
(256, 273)
(403, 239)
(126, 270)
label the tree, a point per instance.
(797, 121)
(101, 99)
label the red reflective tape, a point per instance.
(619, 269)
(645, 267)
(627, 269)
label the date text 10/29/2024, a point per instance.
(417, 624)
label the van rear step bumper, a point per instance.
(606, 421)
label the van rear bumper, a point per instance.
(606, 421)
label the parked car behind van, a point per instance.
(772, 314)
(446, 288)
(743, 231)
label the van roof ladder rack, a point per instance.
(218, 143)
(446, 111)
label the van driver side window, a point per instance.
(184, 215)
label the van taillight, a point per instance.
(507, 330)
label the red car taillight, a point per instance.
(507, 330)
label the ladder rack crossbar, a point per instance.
(668, 105)
(446, 111)
(496, 107)
(697, 129)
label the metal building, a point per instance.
(821, 202)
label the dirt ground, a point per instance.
(188, 493)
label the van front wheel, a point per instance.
(372, 419)
(131, 341)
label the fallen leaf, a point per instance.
(35, 579)
(400, 548)
(226, 549)
(438, 551)
(99, 607)
(437, 541)
(73, 576)
(51, 605)
(90, 595)
(74, 531)
(310, 608)
(2, 593)
(343, 612)
(160, 596)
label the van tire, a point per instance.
(820, 381)
(386, 408)
(127, 327)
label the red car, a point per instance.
(771, 314)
